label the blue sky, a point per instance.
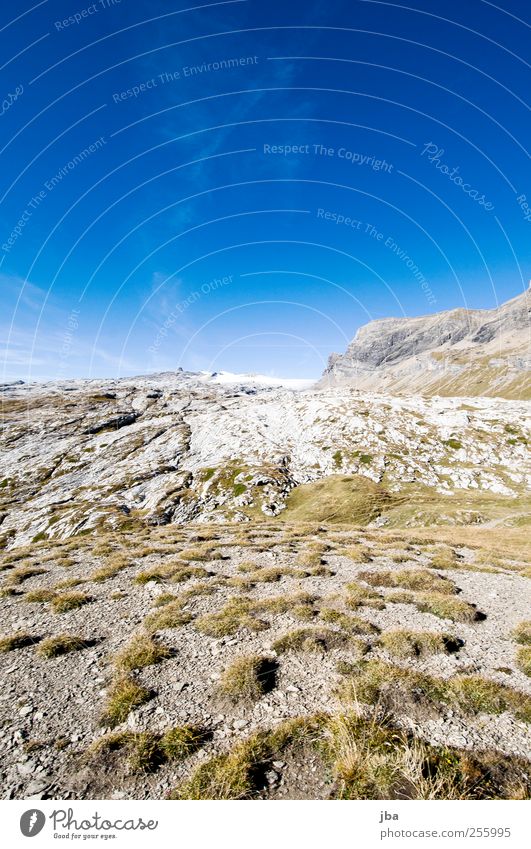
(241, 185)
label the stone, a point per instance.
(25, 769)
(35, 787)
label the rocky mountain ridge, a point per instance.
(457, 352)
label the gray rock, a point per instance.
(26, 769)
(36, 787)
(397, 352)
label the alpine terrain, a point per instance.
(237, 587)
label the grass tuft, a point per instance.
(444, 558)
(69, 601)
(438, 604)
(176, 572)
(62, 644)
(238, 774)
(350, 624)
(124, 695)
(312, 557)
(183, 574)
(266, 575)
(403, 643)
(522, 633)
(523, 659)
(104, 573)
(247, 679)
(203, 552)
(372, 759)
(170, 615)
(356, 553)
(360, 596)
(23, 573)
(411, 579)
(164, 598)
(237, 613)
(285, 603)
(39, 596)
(145, 751)
(226, 776)
(310, 639)
(397, 690)
(141, 651)
(16, 641)
(180, 742)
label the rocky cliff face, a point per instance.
(459, 352)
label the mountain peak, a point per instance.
(455, 352)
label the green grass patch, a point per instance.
(144, 751)
(400, 691)
(237, 773)
(352, 499)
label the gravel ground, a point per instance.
(50, 708)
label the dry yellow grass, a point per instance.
(124, 695)
(246, 679)
(170, 615)
(62, 603)
(237, 613)
(19, 640)
(142, 650)
(522, 633)
(403, 643)
(61, 644)
(438, 604)
(411, 579)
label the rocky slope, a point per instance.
(215, 588)
(255, 662)
(174, 448)
(459, 352)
